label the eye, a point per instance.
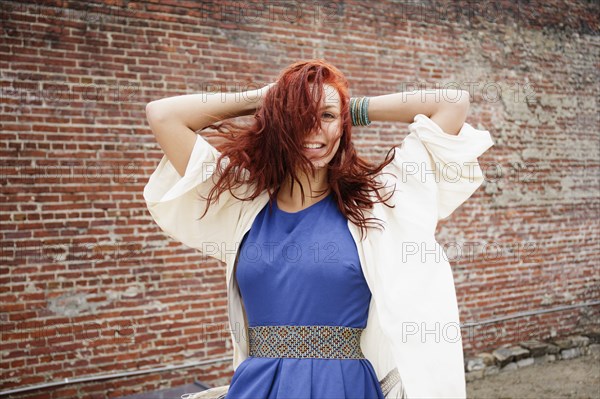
(328, 115)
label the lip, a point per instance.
(314, 142)
(314, 150)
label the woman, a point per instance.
(315, 308)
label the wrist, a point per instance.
(254, 99)
(359, 111)
(251, 100)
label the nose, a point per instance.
(318, 133)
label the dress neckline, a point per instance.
(322, 200)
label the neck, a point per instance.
(318, 183)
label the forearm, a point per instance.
(196, 111)
(404, 106)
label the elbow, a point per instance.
(462, 100)
(452, 115)
(456, 102)
(465, 100)
(153, 112)
(461, 105)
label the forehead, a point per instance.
(331, 97)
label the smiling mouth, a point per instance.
(314, 146)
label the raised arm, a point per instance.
(446, 107)
(174, 120)
(176, 191)
(439, 140)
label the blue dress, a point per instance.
(303, 268)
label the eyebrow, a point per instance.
(329, 106)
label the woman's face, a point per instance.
(331, 129)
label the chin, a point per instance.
(321, 164)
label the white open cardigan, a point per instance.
(413, 321)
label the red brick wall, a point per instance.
(89, 285)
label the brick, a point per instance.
(77, 150)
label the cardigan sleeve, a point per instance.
(176, 205)
(452, 161)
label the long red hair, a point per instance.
(263, 153)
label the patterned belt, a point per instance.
(329, 342)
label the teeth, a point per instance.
(313, 145)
